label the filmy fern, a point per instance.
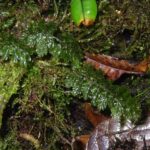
(11, 48)
(89, 84)
(47, 39)
(40, 39)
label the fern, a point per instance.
(11, 48)
(89, 84)
(45, 39)
(40, 39)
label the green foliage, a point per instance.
(11, 48)
(82, 11)
(10, 75)
(40, 36)
(40, 39)
(47, 39)
(90, 84)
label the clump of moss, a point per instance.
(10, 142)
(10, 75)
(44, 105)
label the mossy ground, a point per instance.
(43, 77)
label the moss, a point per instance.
(10, 75)
(18, 15)
(10, 142)
(122, 28)
(40, 36)
(44, 104)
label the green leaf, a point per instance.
(83, 11)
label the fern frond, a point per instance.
(90, 85)
(11, 48)
(47, 39)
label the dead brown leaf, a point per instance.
(110, 133)
(113, 67)
(92, 116)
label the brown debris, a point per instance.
(110, 133)
(94, 118)
(113, 67)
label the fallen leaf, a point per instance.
(114, 67)
(110, 133)
(107, 133)
(92, 116)
(83, 139)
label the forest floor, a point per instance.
(47, 71)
